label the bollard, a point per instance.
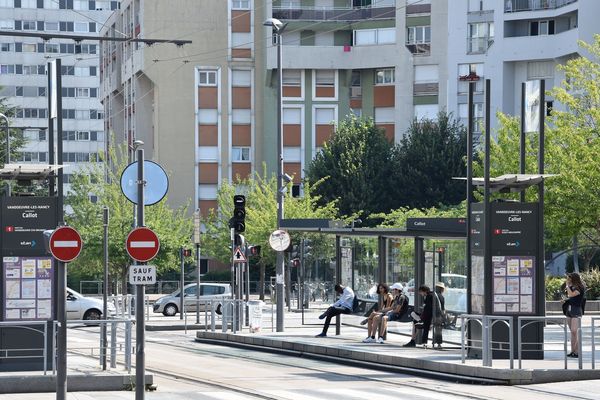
(212, 316)
(128, 346)
(113, 345)
(462, 339)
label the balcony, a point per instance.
(342, 14)
(542, 47)
(334, 57)
(479, 45)
(534, 5)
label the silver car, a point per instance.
(169, 305)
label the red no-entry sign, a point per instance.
(65, 244)
(142, 244)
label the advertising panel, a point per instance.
(27, 288)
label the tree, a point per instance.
(261, 217)
(355, 163)
(427, 158)
(173, 227)
(17, 141)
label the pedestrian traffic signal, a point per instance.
(296, 262)
(237, 222)
(187, 252)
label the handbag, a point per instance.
(442, 318)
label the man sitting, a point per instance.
(392, 313)
(342, 306)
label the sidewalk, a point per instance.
(347, 348)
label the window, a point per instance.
(7, 46)
(418, 34)
(324, 116)
(207, 78)
(7, 69)
(81, 27)
(292, 77)
(29, 25)
(537, 28)
(80, 5)
(540, 70)
(51, 26)
(82, 92)
(240, 4)
(7, 3)
(325, 77)
(29, 48)
(240, 154)
(52, 48)
(28, 3)
(83, 135)
(51, 4)
(292, 116)
(384, 76)
(364, 37)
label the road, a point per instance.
(185, 369)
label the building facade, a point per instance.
(510, 42)
(23, 79)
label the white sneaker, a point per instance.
(369, 339)
(380, 340)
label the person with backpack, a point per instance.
(573, 308)
(344, 305)
(392, 313)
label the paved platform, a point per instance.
(299, 339)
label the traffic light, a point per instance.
(237, 222)
(253, 251)
(306, 248)
(187, 252)
(296, 262)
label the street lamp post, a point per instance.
(7, 149)
(278, 28)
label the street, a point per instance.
(184, 369)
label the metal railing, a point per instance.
(522, 323)
(486, 322)
(125, 305)
(534, 5)
(116, 343)
(30, 352)
(594, 319)
(334, 14)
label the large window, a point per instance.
(292, 77)
(384, 76)
(364, 37)
(240, 154)
(418, 35)
(540, 28)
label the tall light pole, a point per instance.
(7, 149)
(278, 28)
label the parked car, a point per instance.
(86, 308)
(169, 305)
(455, 295)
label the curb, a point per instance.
(75, 383)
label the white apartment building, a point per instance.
(23, 77)
(510, 42)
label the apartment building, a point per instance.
(381, 59)
(510, 42)
(23, 79)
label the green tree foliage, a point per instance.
(430, 154)
(17, 141)
(356, 165)
(173, 227)
(572, 145)
(261, 219)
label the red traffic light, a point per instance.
(296, 262)
(187, 252)
(253, 251)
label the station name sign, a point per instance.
(24, 219)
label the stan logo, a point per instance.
(9, 229)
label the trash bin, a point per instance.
(255, 313)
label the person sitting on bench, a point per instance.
(393, 313)
(385, 302)
(343, 306)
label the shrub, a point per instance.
(592, 282)
(554, 287)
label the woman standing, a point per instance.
(575, 289)
(440, 312)
(424, 318)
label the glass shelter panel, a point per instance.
(446, 261)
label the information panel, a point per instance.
(514, 284)
(27, 288)
(24, 220)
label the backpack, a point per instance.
(355, 304)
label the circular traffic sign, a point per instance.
(279, 240)
(65, 244)
(155, 187)
(142, 244)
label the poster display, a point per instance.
(27, 288)
(513, 284)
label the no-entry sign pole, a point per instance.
(65, 245)
(140, 330)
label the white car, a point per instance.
(87, 308)
(169, 305)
